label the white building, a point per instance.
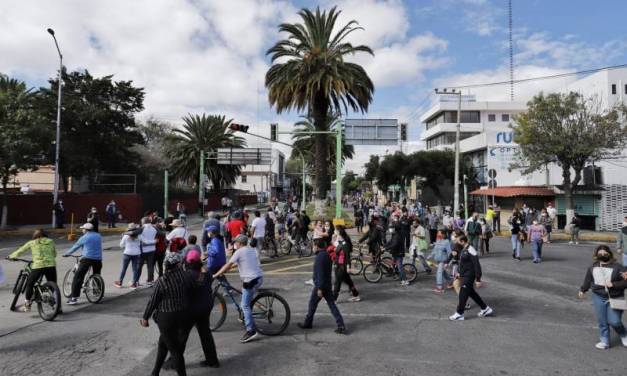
(264, 180)
(487, 139)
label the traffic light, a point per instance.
(273, 131)
(403, 132)
(239, 127)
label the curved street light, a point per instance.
(55, 194)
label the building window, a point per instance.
(244, 178)
(505, 117)
(491, 117)
(613, 88)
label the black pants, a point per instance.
(79, 277)
(148, 259)
(467, 290)
(201, 322)
(59, 220)
(159, 257)
(496, 223)
(110, 220)
(50, 273)
(342, 276)
(313, 305)
(433, 233)
(170, 327)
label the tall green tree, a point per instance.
(372, 167)
(23, 135)
(310, 74)
(152, 159)
(98, 128)
(569, 130)
(204, 133)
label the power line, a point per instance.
(539, 78)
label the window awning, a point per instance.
(515, 191)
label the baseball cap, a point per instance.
(213, 229)
(242, 239)
(87, 226)
(192, 256)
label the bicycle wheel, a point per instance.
(271, 313)
(94, 288)
(49, 301)
(306, 248)
(67, 282)
(285, 247)
(411, 272)
(20, 283)
(373, 273)
(356, 266)
(388, 267)
(218, 312)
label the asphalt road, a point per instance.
(539, 328)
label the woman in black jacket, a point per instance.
(342, 260)
(469, 275)
(606, 279)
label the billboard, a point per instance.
(248, 156)
(371, 131)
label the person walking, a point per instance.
(405, 229)
(161, 246)
(621, 241)
(168, 306)
(605, 280)
(270, 236)
(258, 231)
(575, 226)
(486, 235)
(247, 261)
(93, 218)
(131, 246)
(148, 239)
(322, 289)
(420, 245)
(213, 219)
(111, 211)
(343, 250)
(496, 222)
(91, 243)
(473, 230)
(395, 247)
(547, 223)
(59, 213)
(470, 276)
(441, 253)
(44, 255)
(536, 233)
(515, 221)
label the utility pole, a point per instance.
(55, 194)
(165, 194)
(201, 183)
(338, 174)
(457, 135)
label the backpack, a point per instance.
(177, 244)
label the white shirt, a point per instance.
(551, 212)
(247, 263)
(259, 225)
(178, 232)
(130, 246)
(148, 238)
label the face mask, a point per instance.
(391, 231)
(604, 258)
(624, 224)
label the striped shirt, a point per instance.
(171, 293)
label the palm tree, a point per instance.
(310, 73)
(306, 143)
(203, 133)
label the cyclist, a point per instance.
(270, 237)
(374, 236)
(44, 263)
(250, 272)
(91, 242)
(216, 255)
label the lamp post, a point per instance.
(457, 131)
(55, 194)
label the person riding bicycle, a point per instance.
(91, 243)
(44, 263)
(270, 235)
(374, 236)
(249, 267)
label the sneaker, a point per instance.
(340, 330)
(205, 363)
(467, 306)
(149, 284)
(624, 340)
(249, 336)
(134, 286)
(576, 243)
(25, 307)
(485, 312)
(570, 242)
(456, 317)
(354, 299)
(303, 325)
(535, 261)
(514, 256)
(517, 258)
(602, 346)
(309, 282)
(117, 284)
(404, 283)
(438, 291)
(72, 301)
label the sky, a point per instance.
(210, 55)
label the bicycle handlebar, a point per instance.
(20, 259)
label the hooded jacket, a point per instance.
(43, 250)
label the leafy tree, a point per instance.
(152, 159)
(203, 133)
(310, 73)
(352, 182)
(372, 167)
(98, 126)
(23, 134)
(569, 130)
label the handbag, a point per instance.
(618, 304)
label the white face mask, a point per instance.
(624, 224)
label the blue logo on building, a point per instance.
(504, 137)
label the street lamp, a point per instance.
(55, 195)
(457, 131)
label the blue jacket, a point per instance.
(91, 242)
(441, 250)
(322, 270)
(216, 256)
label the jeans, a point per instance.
(79, 277)
(441, 275)
(607, 317)
(466, 291)
(515, 245)
(247, 298)
(474, 241)
(398, 262)
(159, 257)
(134, 260)
(574, 235)
(624, 259)
(313, 305)
(147, 258)
(536, 247)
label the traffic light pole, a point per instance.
(201, 188)
(165, 194)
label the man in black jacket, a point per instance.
(470, 275)
(396, 247)
(322, 288)
(374, 236)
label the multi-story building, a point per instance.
(264, 180)
(487, 140)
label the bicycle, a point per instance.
(46, 295)
(357, 262)
(304, 247)
(93, 286)
(384, 265)
(271, 319)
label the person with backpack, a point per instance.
(177, 236)
(343, 249)
(131, 246)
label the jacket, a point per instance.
(395, 245)
(43, 250)
(91, 242)
(373, 238)
(322, 270)
(469, 266)
(621, 240)
(216, 256)
(201, 294)
(595, 278)
(441, 250)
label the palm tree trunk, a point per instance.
(321, 162)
